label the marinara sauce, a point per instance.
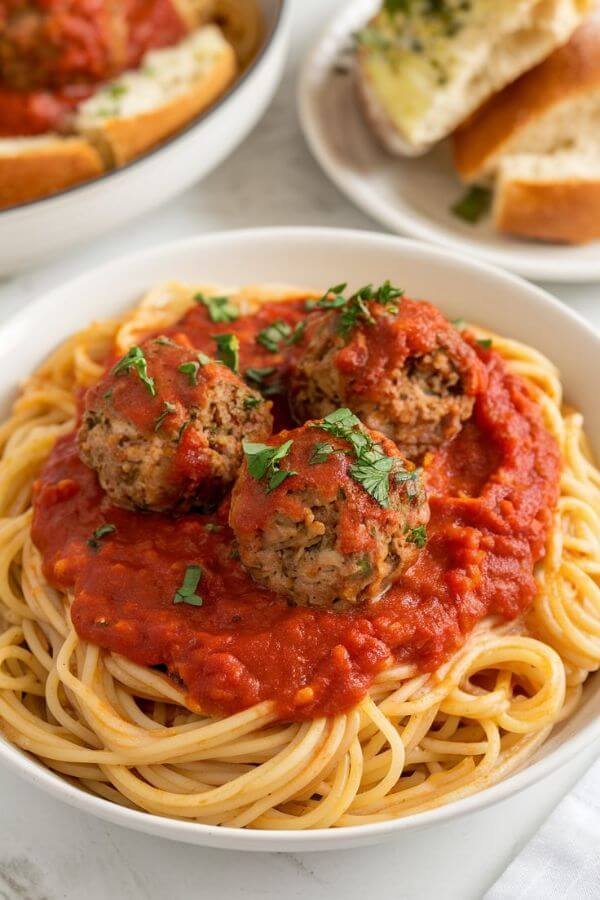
(491, 492)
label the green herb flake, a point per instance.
(228, 350)
(372, 467)
(191, 370)
(212, 526)
(364, 566)
(321, 453)
(165, 341)
(264, 462)
(220, 309)
(168, 409)
(252, 402)
(372, 471)
(116, 90)
(257, 376)
(296, 335)
(486, 343)
(418, 536)
(136, 360)
(272, 336)
(474, 205)
(460, 324)
(94, 541)
(187, 592)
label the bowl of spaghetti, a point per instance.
(292, 566)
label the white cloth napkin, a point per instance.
(562, 861)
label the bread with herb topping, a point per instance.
(141, 108)
(555, 107)
(424, 66)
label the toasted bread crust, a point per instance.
(123, 139)
(569, 72)
(46, 169)
(565, 211)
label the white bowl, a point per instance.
(36, 231)
(317, 258)
(409, 196)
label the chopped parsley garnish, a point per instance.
(321, 453)
(212, 526)
(191, 370)
(417, 536)
(165, 341)
(474, 205)
(168, 408)
(187, 592)
(228, 350)
(364, 566)
(372, 467)
(486, 343)
(272, 336)
(136, 360)
(117, 90)
(460, 324)
(257, 376)
(264, 462)
(354, 309)
(372, 471)
(220, 309)
(297, 334)
(252, 402)
(99, 533)
(183, 428)
(328, 301)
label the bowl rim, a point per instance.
(283, 8)
(28, 768)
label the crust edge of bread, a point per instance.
(121, 140)
(561, 210)
(46, 169)
(38, 169)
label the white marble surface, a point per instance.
(51, 852)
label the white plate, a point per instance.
(409, 196)
(36, 231)
(317, 258)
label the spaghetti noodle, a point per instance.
(416, 741)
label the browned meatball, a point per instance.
(163, 428)
(399, 365)
(328, 514)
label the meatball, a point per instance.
(163, 428)
(399, 365)
(328, 514)
(50, 44)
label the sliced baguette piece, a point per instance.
(421, 73)
(141, 108)
(550, 198)
(35, 167)
(554, 107)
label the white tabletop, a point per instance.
(51, 852)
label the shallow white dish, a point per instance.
(317, 258)
(35, 231)
(409, 196)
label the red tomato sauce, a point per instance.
(491, 491)
(54, 52)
